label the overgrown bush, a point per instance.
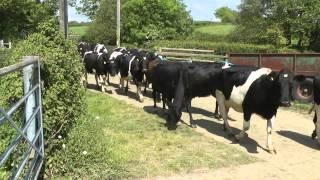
(63, 95)
(218, 47)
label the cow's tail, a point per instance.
(175, 109)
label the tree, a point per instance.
(141, 21)
(278, 22)
(226, 15)
(87, 7)
(19, 18)
(103, 27)
(147, 20)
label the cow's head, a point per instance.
(283, 81)
(174, 115)
(83, 47)
(112, 67)
(100, 48)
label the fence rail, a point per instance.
(5, 45)
(299, 63)
(190, 54)
(31, 132)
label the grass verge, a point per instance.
(119, 141)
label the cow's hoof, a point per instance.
(216, 116)
(230, 135)
(193, 125)
(272, 151)
(314, 135)
(238, 137)
(141, 100)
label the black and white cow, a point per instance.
(250, 90)
(131, 68)
(84, 47)
(99, 64)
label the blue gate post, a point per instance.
(30, 105)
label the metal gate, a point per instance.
(30, 133)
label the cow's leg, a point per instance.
(188, 106)
(104, 85)
(139, 94)
(145, 87)
(216, 111)
(164, 101)
(223, 111)
(121, 85)
(85, 82)
(154, 94)
(246, 126)
(314, 133)
(317, 108)
(159, 97)
(127, 87)
(97, 81)
(270, 125)
(108, 80)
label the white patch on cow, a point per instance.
(270, 126)
(238, 93)
(88, 52)
(226, 65)
(317, 109)
(129, 72)
(98, 48)
(115, 54)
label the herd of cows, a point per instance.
(246, 89)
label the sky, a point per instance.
(199, 9)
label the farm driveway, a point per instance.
(298, 156)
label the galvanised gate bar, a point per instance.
(30, 134)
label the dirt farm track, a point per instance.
(298, 156)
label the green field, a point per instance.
(215, 29)
(78, 30)
(119, 141)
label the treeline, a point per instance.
(279, 23)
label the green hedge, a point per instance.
(219, 47)
(63, 95)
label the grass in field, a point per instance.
(78, 30)
(215, 29)
(118, 141)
